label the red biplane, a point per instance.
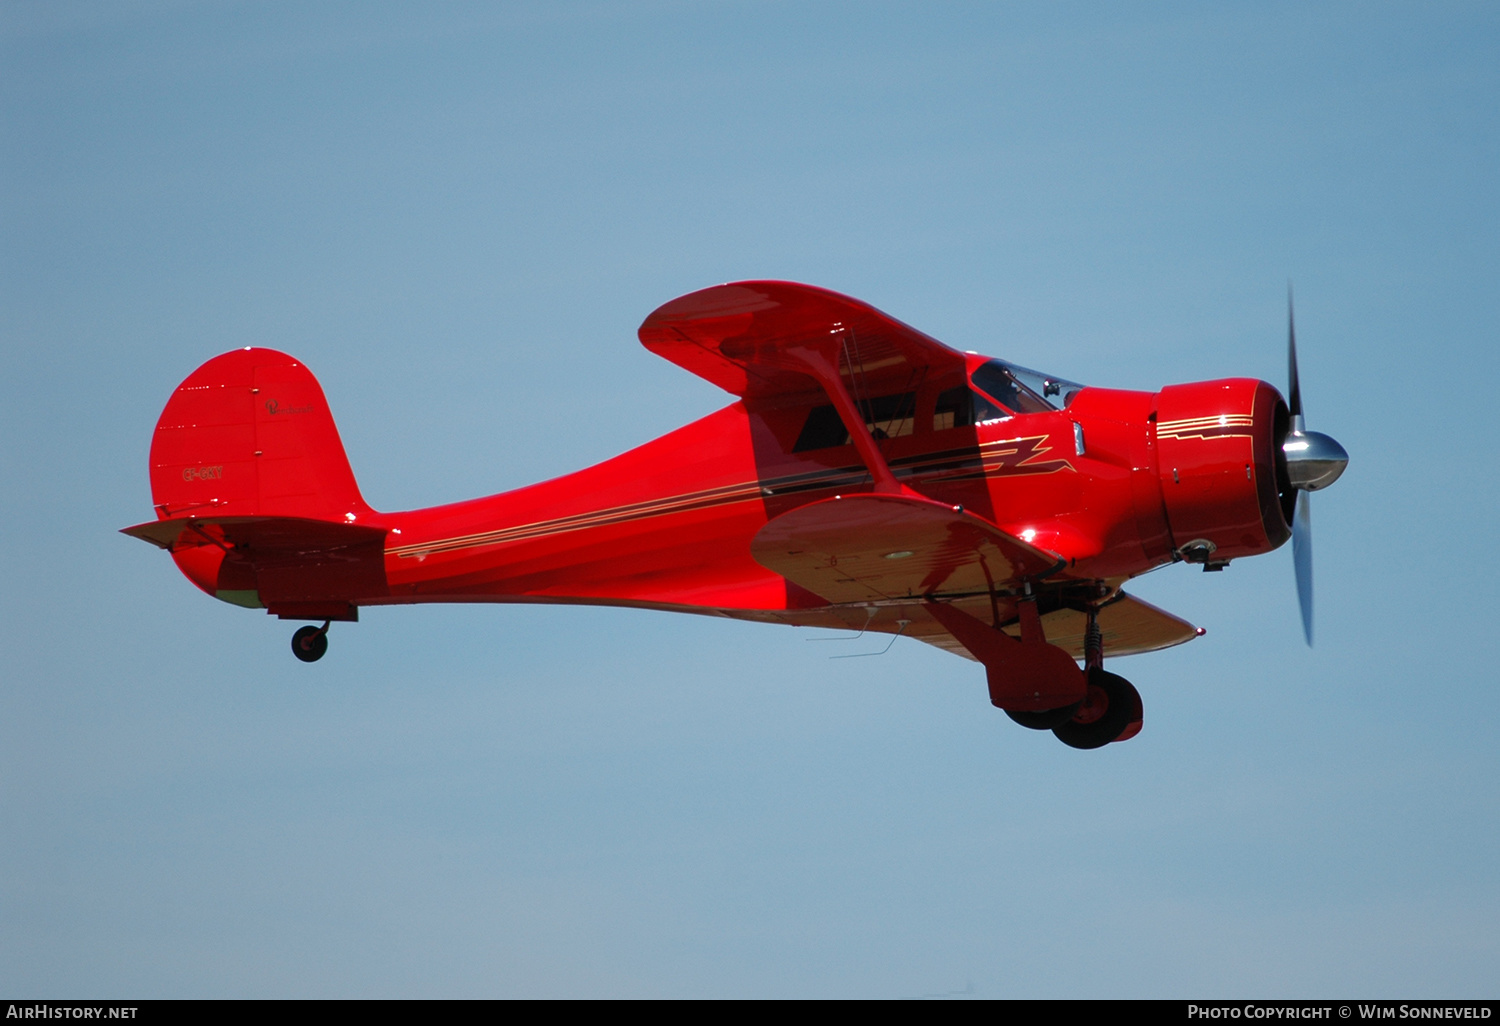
(866, 476)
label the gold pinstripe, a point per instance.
(724, 495)
(1199, 427)
(579, 521)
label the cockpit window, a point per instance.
(963, 407)
(887, 416)
(1057, 392)
(1025, 391)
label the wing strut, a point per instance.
(827, 375)
(761, 339)
(1026, 674)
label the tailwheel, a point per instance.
(1111, 711)
(309, 643)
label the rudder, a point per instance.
(249, 433)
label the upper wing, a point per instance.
(742, 337)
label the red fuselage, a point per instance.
(866, 476)
(669, 524)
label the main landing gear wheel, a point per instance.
(309, 643)
(1111, 711)
(1045, 719)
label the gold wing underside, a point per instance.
(1129, 625)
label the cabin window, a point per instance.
(887, 416)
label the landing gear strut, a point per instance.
(1112, 709)
(309, 643)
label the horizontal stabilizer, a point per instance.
(263, 536)
(292, 566)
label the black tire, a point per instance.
(309, 643)
(1045, 719)
(1112, 705)
(1137, 720)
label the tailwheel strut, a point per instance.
(309, 643)
(1112, 709)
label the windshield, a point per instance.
(1025, 391)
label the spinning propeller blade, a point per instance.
(1302, 559)
(1313, 461)
(1294, 389)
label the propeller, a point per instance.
(1313, 462)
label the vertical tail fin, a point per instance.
(249, 433)
(254, 496)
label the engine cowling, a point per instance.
(1223, 479)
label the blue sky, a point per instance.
(458, 217)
